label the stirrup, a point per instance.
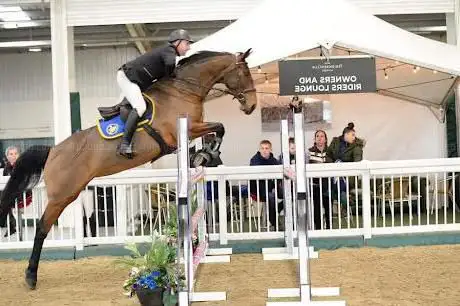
(125, 150)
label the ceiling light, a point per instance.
(25, 43)
(13, 13)
(10, 25)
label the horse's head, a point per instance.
(238, 79)
(202, 70)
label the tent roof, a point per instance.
(279, 29)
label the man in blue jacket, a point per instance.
(264, 157)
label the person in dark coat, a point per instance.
(317, 155)
(345, 149)
(12, 154)
(136, 76)
(264, 157)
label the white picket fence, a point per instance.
(380, 198)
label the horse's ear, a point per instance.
(247, 53)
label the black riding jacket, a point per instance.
(153, 65)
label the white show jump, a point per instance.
(188, 225)
(304, 291)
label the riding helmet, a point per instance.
(179, 34)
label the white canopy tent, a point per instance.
(280, 29)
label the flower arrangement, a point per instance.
(155, 270)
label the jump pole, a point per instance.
(186, 295)
(288, 252)
(305, 291)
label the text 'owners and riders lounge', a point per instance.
(327, 76)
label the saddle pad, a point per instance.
(115, 127)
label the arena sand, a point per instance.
(368, 276)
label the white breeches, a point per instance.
(132, 92)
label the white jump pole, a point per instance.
(305, 291)
(288, 252)
(184, 235)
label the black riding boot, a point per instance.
(125, 149)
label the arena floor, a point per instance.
(400, 276)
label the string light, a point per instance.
(266, 79)
(259, 70)
(386, 75)
(414, 70)
(434, 71)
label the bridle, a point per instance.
(238, 95)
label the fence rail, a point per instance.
(345, 199)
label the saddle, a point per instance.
(111, 125)
(123, 109)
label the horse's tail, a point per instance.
(26, 174)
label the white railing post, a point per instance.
(366, 196)
(222, 210)
(78, 223)
(122, 211)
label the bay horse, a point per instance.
(70, 165)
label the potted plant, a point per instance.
(154, 275)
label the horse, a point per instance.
(69, 166)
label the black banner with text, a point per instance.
(318, 76)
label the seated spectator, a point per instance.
(12, 154)
(345, 148)
(291, 152)
(264, 157)
(317, 154)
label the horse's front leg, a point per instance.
(211, 151)
(204, 128)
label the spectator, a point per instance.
(291, 152)
(12, 154)
(264, 157)
(345, 148)
(317, 154)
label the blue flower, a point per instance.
(148, 281)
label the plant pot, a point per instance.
(148, 297)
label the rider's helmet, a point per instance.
(180, 34)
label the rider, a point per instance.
(136, 76)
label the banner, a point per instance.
(320, 76)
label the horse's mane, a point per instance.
(187, 62)
(199, 56)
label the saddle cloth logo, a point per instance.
(111, 129)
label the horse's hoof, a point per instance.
(31, 281)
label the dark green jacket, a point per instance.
(350, 152)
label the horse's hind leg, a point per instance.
(52, 212)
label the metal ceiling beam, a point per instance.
(142, 31)
(87, 42)
(133, 33)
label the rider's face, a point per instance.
(183, 47)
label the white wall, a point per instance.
(393, 129)
(26, 109)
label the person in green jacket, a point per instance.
(346, 148)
